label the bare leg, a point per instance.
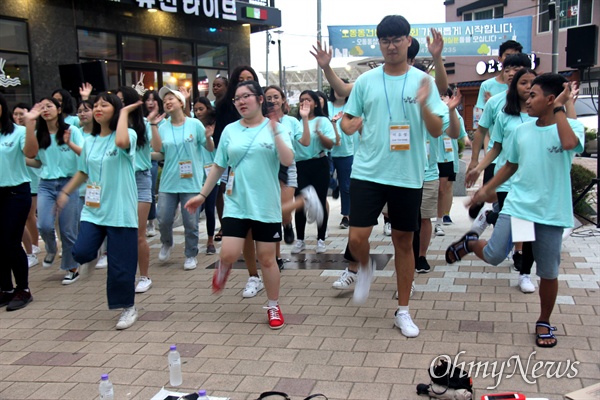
(271, 275)
(26, 239)
(404, 263)
(31, 223)
(358, 240)
(448, 199)
(250, 255)
(442, 195)
(548, 293)
(426, 229)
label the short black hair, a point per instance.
(21, 105)
(68, 105)
(117, 105)
(420, 66)
(393, 26)
(332, 97)
(551, 84)
(510, 44)
(517, 60)
(413, 49)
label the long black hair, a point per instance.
(513, 105)
(332, 98)
(325, 106)
(43, 131)
(117, 104)
(318, 111)
(68, 105)
(155, 97)
(6, 124)
(136, 117)
(212, 113)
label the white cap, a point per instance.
(165, 90)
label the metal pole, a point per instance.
(280, 74)
(283, 87)
(319, 71)
(267, 63)
(555, 41)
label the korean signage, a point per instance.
(468, 38)
(220, 9)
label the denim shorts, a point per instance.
(143, 180)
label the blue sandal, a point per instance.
(460, 248)
(543, 336)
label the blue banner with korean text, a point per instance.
(468, 38)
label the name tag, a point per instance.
(207, 168)
(522, 231)
(185, 169)
(229, 186)
(448, 145)
(92, 196)
(400, 136)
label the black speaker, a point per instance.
(73, 76)
(95, 73)
(582, 46)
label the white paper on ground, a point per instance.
(522, 231)
(163, 393)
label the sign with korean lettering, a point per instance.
(468, 38)
(220, 9)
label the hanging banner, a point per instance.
(468, 38)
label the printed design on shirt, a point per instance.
(190, 138)
(64, 148)
(269, 146)
(111, 153)
(8, 144)
(555, 149)
(410, 100)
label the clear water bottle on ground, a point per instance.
(175, 377)
(202, 395)
(106, 388)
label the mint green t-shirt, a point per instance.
(293, 126)
(143, 161)
(461, 135)
(503, 133)
(541, 188)
(73, 120)
(82, 187)
(374, 161)
(59, 161)
(493, 107)
(182, 144)
(113, 169)
(432, 172)
(252, 154)
(445, 141)
(346, 147)
(315, 147)
(490, 85)
(12, 159)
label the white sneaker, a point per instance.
(150, 230)
(32, 260)
(387, 229)
(253, 286)
(143, 284)
(48, 260)
(480, 224)
(525, 284)
(345, 281)
(127, 318)
(102, 262)
(313, 209)
(299, 246)
(190, 263)
(36, 250)
(412, 291)
(406, 324)
(364, 277)
(321, 247)
(439, 231)
(70, 277)
(165, 252)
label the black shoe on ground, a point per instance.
(335, 193)
(20, 300)
(288, 234)
(518, 261)
(6, 297)
(280, 263)
(345, 223)
(422, 266)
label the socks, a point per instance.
(272, 303)
(403, 309)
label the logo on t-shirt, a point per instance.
(267, 145)
(410, 100)
(111, 153)
(190, 138)
(8, 144)
(555, 149)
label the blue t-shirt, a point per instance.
(315, 147)
(113, 169)
(346, 147)
(541, 187)
(252, 154)
(59, 161)
(12, 159)
(382, 99)
(490, 85)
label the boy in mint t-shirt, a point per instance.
(539, 160)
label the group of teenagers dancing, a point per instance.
(390, 136)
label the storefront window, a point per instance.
(140, 49)
(146, 79)
(13, 35)
(570, 13)
(97, 45)
(211, 56)
(176, 79)
(15, 81)
(179, 53)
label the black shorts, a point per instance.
(447, 171)
(368, 198)
(488, 173)
(269, 232)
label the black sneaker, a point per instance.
(345, 223)
(518, 261)
(6, 297)
(422, 266)
(335, 193)
(288, 234)
(20, 300)
(70, 277)
(280, 263)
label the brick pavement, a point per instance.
(59, 345)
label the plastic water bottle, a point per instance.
(175, 367)
(106, 388)
(202, 395)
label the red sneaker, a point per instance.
(220, 277)
(275, 317)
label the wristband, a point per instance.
(559, 109)
(202, 195)
(66, 194)
(153, 124)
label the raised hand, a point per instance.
(564, 96)
(423, 92)
(34, 113)
(304, 109)
(187, 93)
(455, 100)
(131, 107)
(435, 43)
(85, 90)
(209, 130)
(322, 56)
(67, 136)
(154, 118)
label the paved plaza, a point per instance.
(58, 346)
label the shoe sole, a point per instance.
(70, 282)
(440, 234)
(251, 296)
(343, 287)
(142, 291)
(403, 334)
(21, 306)
(423, 271)
(190, 268)
(298, 251)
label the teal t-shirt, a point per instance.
(346, 147)
(374, 161)
(12, 159)
(503, 133)
(432, 172)
(113, 169)
(461, 135)
(59, 161)
(143, 161)
(541, 187)
(315, 147)
(252, 154)
(34, 175)
(73, 120)
(445, 153)
(181, 144)
(490, 85)
(293, 126)
(82, 187)
(492, 108)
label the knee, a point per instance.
(83, 254)
(492, 255)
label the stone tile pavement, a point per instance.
(59, 345)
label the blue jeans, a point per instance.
(122, 259)
(343, 165)
(68, 219)
(154, 172)
(167, 204)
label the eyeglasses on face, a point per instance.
(242, 97)
(394, 41)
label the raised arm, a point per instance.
(435, 45)
(568, 139)
(154, 119)
(122, 137)
(31, 144)
(433, 122)
(323, 58)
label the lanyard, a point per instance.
(386, 95)
(103, 154)
(251, 142)
(177, 149)
(520, 116)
